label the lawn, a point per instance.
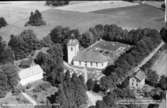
(160, 64)
(137, 16)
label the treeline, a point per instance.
(57, 2)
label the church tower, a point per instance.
(72, 49)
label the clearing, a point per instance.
(137, 16)
(160, 65)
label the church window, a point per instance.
(71, 48)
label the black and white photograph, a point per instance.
(83, 54)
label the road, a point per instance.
(29, 98)
(145, 60)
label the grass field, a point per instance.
(160, 64)
(137, 16)
(130, 17)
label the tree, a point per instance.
(72, 92)
(57, 2)
(163, 33)
(86, 39)
(100, 104)
(11, 72)
(8, 78)
(152, 77)
(6, 53)
(163, 6)
(153, 106)
(3, 22)
(3, 84)
(35, 19)
(90, 84)
(107, 83)
(163, 82)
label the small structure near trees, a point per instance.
(30, 74)
(137, 81)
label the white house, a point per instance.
(137, 81)
(30, 74)
(97, 56)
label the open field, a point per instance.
(129, 17)
(97, 5)
(160, 64)
(140, 15)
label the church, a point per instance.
(97, 56)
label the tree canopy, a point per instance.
(52, 63)
(8, 78)
(3, 22)
(57, 2)
(71, 94)
(6, 53)
(24, 44)
(35, 19)
(163, 33)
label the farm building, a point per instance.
(98, 55)
(30, 74)
(137, 81)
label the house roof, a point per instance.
(73, 42)
(28, 72)
(101, 51)
(140, 75)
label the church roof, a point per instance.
(90, 56)
(100, 52)
(28, 72)
(73, 42)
